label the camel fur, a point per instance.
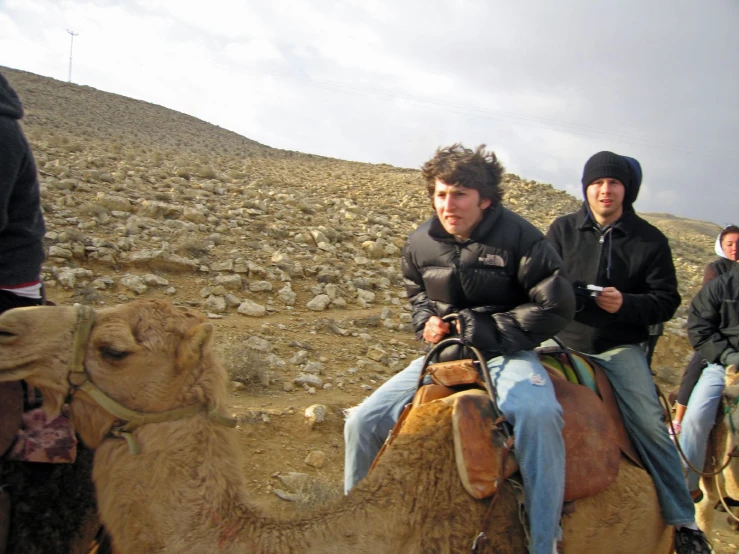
(185, 492)
(722, 442)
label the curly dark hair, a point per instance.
(456, 165)
(726, 230)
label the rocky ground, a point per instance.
(294, 257)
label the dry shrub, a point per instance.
(244, 365)
(318, 491)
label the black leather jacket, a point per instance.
(503, 282)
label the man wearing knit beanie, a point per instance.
(629, 261)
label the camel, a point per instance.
(184, 491)
(723, 442)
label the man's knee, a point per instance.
(544, 413)
(354, 424)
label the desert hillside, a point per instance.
(294, 257)
(131, 189)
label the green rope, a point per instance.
(727, 411)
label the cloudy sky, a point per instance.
(545, 84)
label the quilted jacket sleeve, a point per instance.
(421, 308)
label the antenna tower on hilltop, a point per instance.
(71, 45)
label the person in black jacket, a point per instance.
(726, 247)
(607, 245)
(713, 330)
(496, 271)
(21, 220)
(21, 253)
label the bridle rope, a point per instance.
(130, 420)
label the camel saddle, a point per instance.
(593, 433)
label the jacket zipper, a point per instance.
(601, 242)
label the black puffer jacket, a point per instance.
(503, 282)
(634, 257)
(21, 221)
(713, 319)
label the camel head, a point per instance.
(147, 356)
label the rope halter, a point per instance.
(128, 420)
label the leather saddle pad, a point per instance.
(594, 433)
(590, 437)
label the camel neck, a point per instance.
(187, 482)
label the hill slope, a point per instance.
(294, 256)
(131, 187)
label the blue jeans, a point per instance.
(631, 380)
(700, 416)
(525, 396)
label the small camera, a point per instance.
(594, 290)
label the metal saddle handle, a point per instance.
(480, 362)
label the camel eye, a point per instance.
(113, 354)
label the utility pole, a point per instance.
(71, 45)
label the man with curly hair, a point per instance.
(499, 274)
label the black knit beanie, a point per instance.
(606, 164)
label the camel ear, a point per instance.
(193, 344)
(732, 377)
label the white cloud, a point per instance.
(252, 51)
(545, 85)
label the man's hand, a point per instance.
(435, 329)
(610, 300)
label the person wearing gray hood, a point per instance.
(713, 331)
(726, 247)
(21, 221)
